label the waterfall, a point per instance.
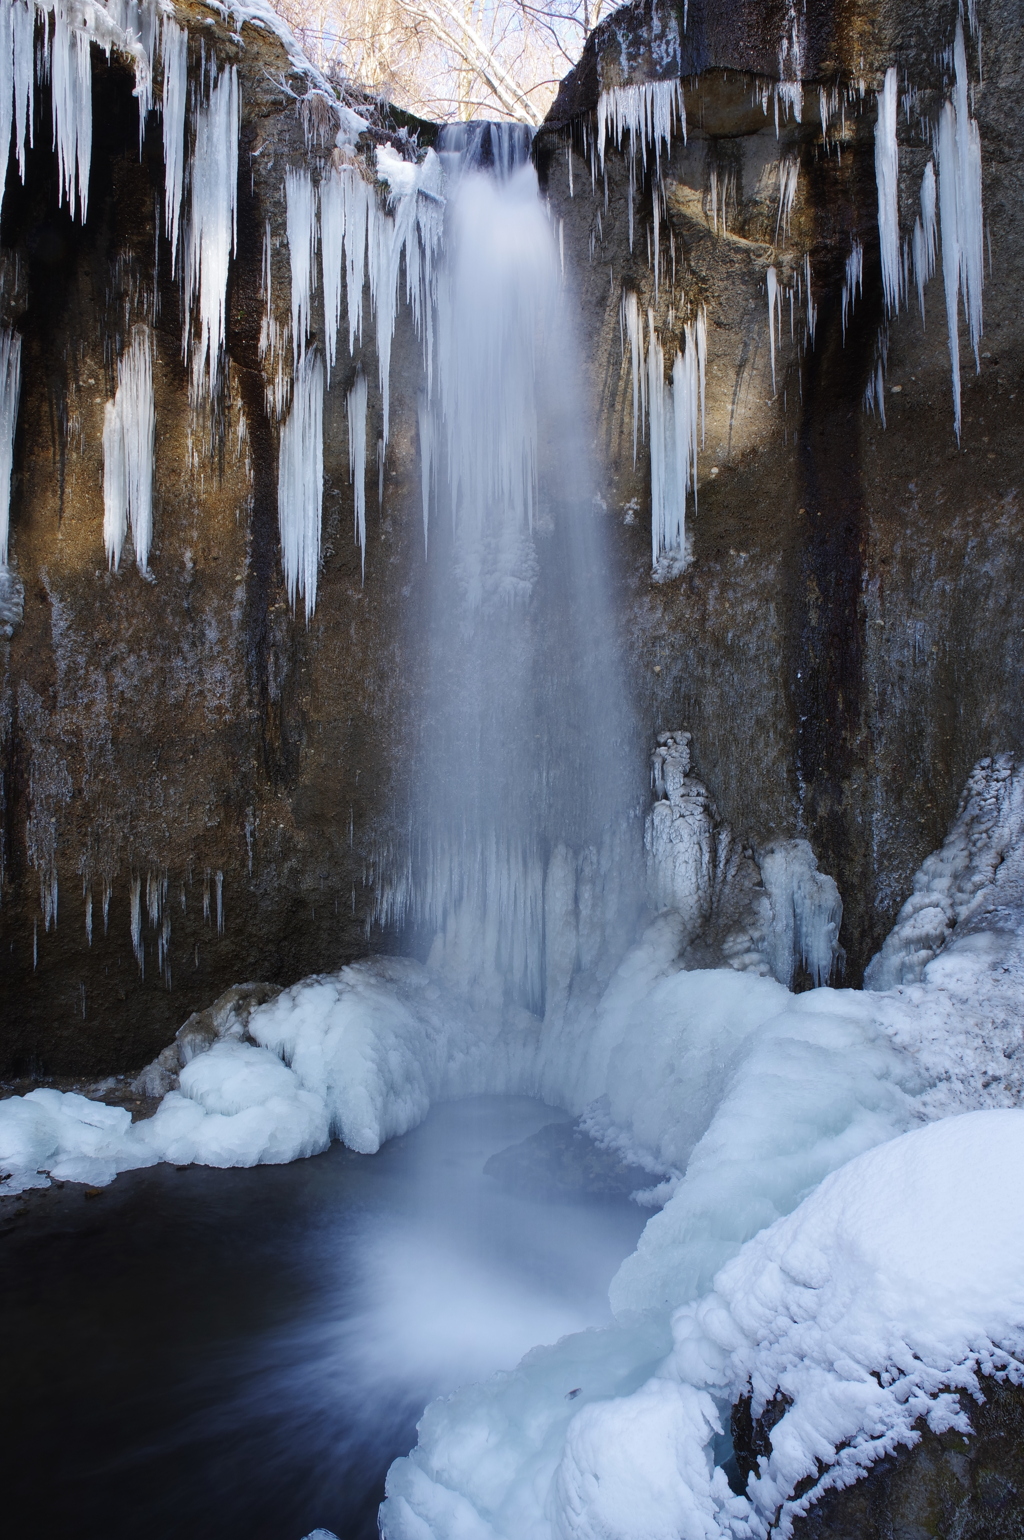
(523, 779)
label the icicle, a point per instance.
(676, 416)
(812, 309)
(633, 325)
(962, 220)
(88, 914)
(135, 920)
(789, 177)
(774, 304)
(300, 479)
(853, 282)
(129, 435)
(426, 428)
(210, 227)
(357, 462)
(71, 93)
(10, 390)
(887, 166)
(174, 48)
(23, 27)
(924, 242)
(648, 113)
(218, 888)
(300, 196)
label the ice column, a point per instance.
(10, 389)
(129, 436)
(887, 166)
(300, 479)
(210, 228)
(960, 213)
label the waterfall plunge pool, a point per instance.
(242, 1353)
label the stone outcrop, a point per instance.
(945, 1485)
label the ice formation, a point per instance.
(674, 410)
(10, 392)
(649, 113)
(960, 215)
(924, 242)
(356, 403)
(301, 224)
(129, 437)
(174, 50)
(887, 172)
(210, 223)
(955, 883)
(300, 482)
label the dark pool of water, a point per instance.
(241, 1354)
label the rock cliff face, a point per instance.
(947, 1484)
(844, 642)
(183, 755)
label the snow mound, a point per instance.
(953, 883)
(895, 1285)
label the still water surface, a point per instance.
(241, 1354)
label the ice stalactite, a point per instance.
(853, 282)
(961, 218)
(649, 113)
(789, 178)
(22, 17)
(10, 391)
(356, 402)
(774, 314)
(210, 227)
(300, 480)
(174, 49)
(71, 93)
(675, 412)
(410, 233)
(924, 242)
(129, 437)
(887, 170)
(632, 325)
(301, 219)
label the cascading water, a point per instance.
(522, 864)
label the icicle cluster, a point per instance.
(300, 481)
(649, 113)
(129, 438)
(961, 218)
(361, 243)
(957, 148)
(10, 389)
(797, 291)
(210, 227)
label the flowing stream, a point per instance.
(242, 1353)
